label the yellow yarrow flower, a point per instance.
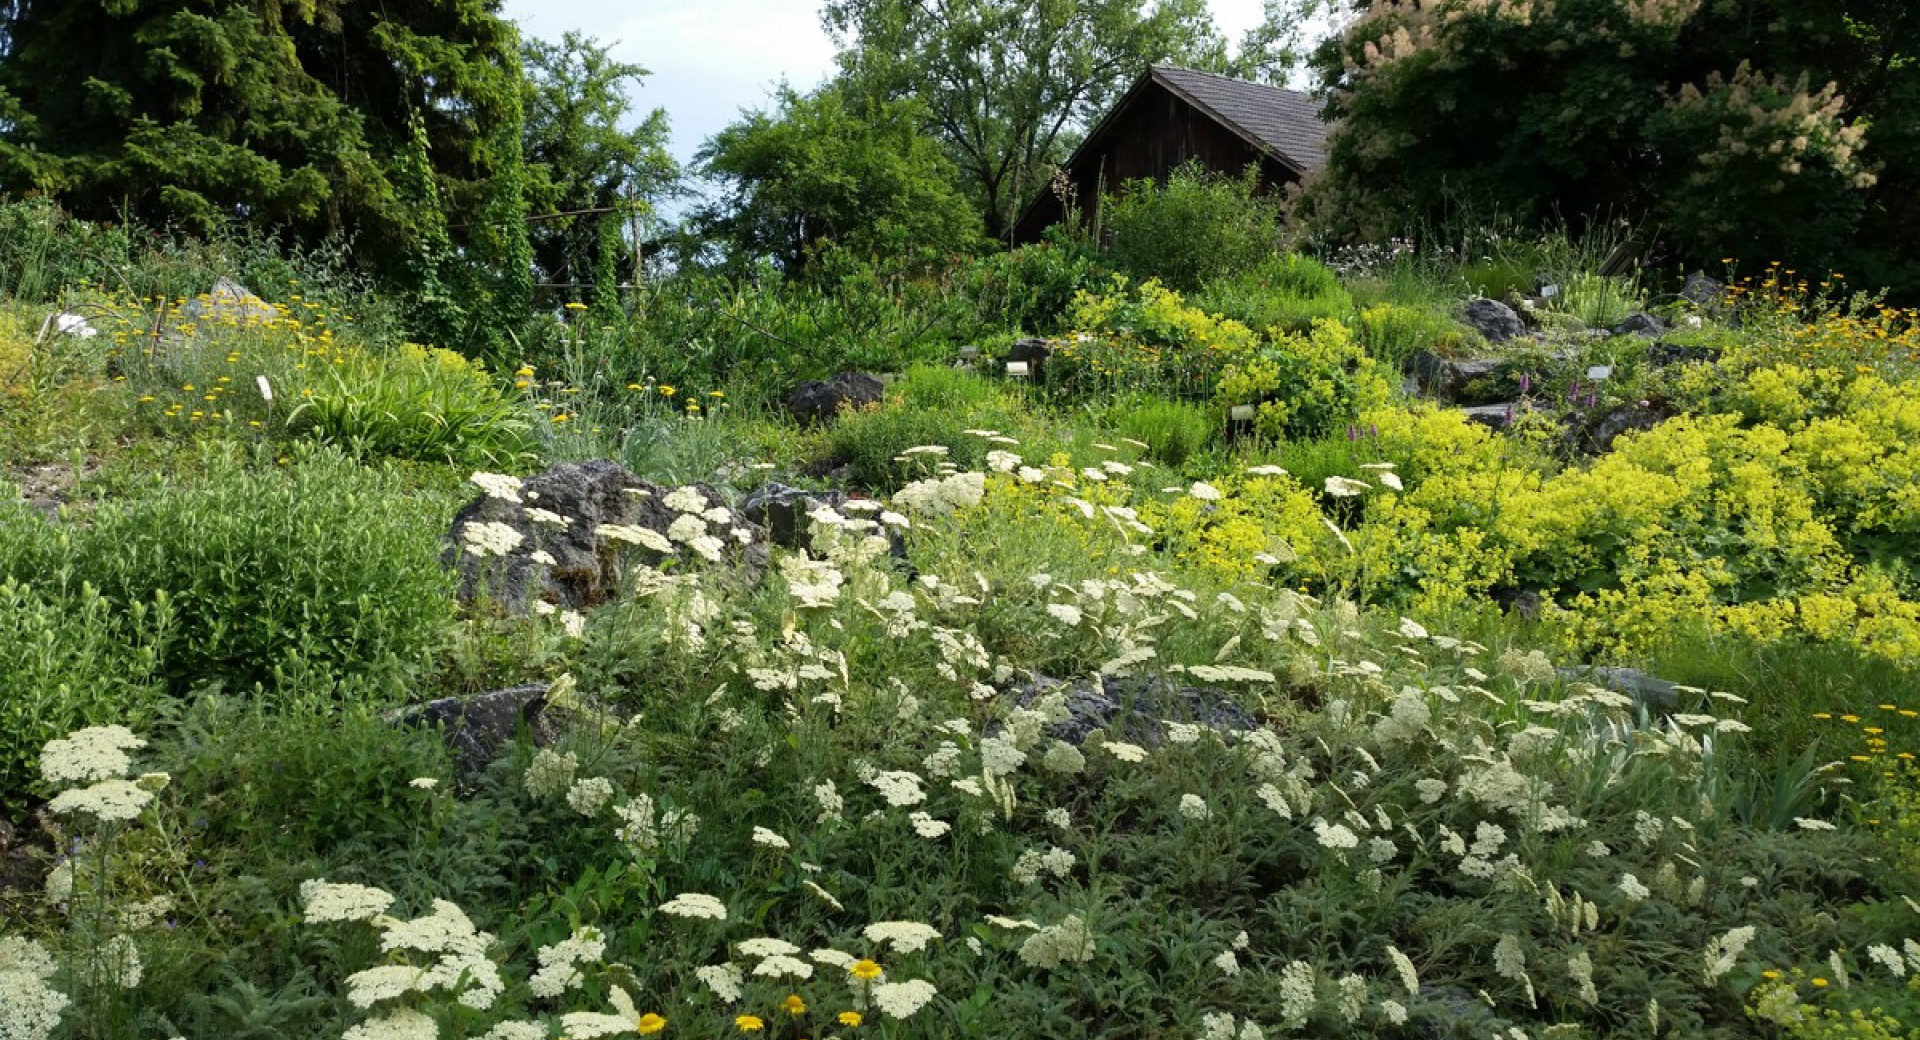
(649, 1023)
(749, 1023)
(865, 969)
(849, 1018)
(793, 1005)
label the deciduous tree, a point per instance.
(1006, 83)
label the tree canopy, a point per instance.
(313, 117)
(829, 169)
(1005, 83)
(1760, 129)
(586, 155)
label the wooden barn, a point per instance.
(1173, 115)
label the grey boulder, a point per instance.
(575, 531)
(1134, 708)
(1494, 320)
(820, 401)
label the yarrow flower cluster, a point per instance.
(29, 1007)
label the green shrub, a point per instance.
(1196, 227)
(1305, 386)
(1144, 341)
(1597, 302)
(1031, 288)
(1499, 279)
(1392, 333)
(939, 386)
(302, 782)
(1173, 431)
(68, 659)
(1288, 293)
(316, 569)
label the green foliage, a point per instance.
(1144, 340)
(1305, 386)
(1004, 81)
(305, 373)
(1173, 431)
(1287, 293)
(872, 444)
(288, 117)
(1746, 128)
(582, 154)
(1031, 289)
(826, 169)
(416, 403)
(1392, 333)
(292, 576)
(68, 657)
(348, 771)
(1195, 228)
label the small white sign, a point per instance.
(1241, 412)
(1548, 292)
(1017, 369)
(1599, 372)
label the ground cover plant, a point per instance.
(1095, 706)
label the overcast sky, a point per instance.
(712, 58)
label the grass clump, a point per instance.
(1287, 294)
(1173, 431)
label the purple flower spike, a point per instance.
(1353, 432)
(1592, 399)
(1526, 382)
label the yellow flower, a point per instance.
(665, 390)
(649, 1023)
(1769, 974)
(749, 1023)
(793, 1005)
(576, 306)
(1823, 715)
(1820, 983)
(865, 969)
(849, 1018)
(524, 371)
(715, 393)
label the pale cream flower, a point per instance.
(88, 755)
(109, 801)
(326, 901)
(902, 936)
(401, 1024)
(498, 485)
(695, 904)
(902, 999)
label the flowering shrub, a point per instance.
(1147, 340)
(1304, 385)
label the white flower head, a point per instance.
(902, 999)
(695, 904)
(89, 755)
(902, 936)
(498, 485)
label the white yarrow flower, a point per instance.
(695, 904)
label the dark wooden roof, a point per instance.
(1283, 123)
